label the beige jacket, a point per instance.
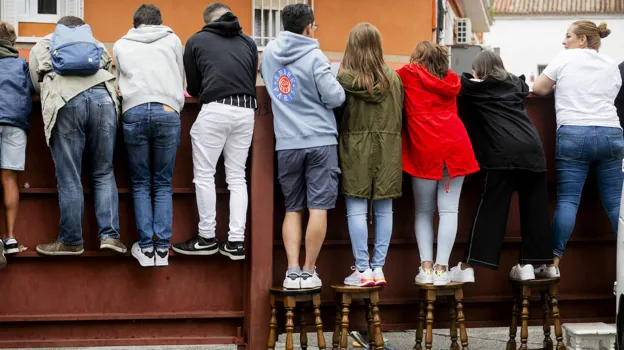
(55, 90)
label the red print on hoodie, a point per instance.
(433, 134)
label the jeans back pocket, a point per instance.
(570, 146)
(616, 145)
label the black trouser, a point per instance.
(488, 228)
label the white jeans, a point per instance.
(228, 129)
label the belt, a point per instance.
(243, 101)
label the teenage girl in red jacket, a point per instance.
(437, 153)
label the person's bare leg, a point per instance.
(465, 266)
(291, 234)
(427, 265)
(556, 261)
(315, 235)
(11, 200)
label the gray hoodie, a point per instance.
(150, 67)
(303, 91)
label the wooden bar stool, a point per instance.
(428, 293)
(347, 294)
(547, 287)
(290, 298)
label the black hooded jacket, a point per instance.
(220, 61)
(503, 136)
(619, 101)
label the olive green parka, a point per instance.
(370, 138)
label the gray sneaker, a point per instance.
(3, 261)
(59, 249)
(113, 244)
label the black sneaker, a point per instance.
(234, 250)
(197, 246)
(10, 246)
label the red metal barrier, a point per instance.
(105, 299)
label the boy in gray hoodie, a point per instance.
(150, 73)
(304, 92)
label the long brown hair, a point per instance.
(489, 64)
(364, 57)
(592, 32)
(433, 57)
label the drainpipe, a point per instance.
(441, 15)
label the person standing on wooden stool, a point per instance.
(510, 153)
(303, 93)
(370, 144)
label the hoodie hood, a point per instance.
(7, 49)
(448, 87)
(290, 47)
(227, 26)
(148, 33)
(512, 89)
(346, 79)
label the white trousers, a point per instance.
(220, 129)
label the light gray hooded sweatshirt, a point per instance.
(150, 67)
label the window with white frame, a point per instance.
(267, 21)
(39, 11)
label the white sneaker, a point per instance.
(525, 273)
(378, 275)
(547, 272)
(462, 276)
(441, 278)
(310, 281)
(162, 257)
(10, 246)
(292, 281)
(425, 276)
(144, 256)
(360, 279)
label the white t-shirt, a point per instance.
(587, 84)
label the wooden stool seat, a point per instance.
(428, 294)
(345, 295)
(522, 290)
(290, 298)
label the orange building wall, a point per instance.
(402, 23)
(35, 29)
(110, 20)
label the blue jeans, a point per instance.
(152, 137)
(86, 124)
(357, 210)
(579, 149)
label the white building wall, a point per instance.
(526, 43)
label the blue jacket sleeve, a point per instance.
(331, 92)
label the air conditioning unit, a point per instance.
(464, 31)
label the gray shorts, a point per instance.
(309, 173)
(12, 148)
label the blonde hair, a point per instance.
(364, 57)
(7, 32)
(433, 57)
(592, 32)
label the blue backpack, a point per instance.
(75, 51)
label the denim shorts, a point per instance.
(309, 177)
(12, 148)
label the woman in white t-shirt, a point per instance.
(589, 134)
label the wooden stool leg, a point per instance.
(316, 302)
(303, 336)
(431, 298)
(461, 319)
(453, 314)
(524, 332)
(547, 343)
(336, 337)
(379, 342)
(513, 329)
(273, 325)
(344, 331)
(421, 324)
(371, 324)
(289, 304)
(556, 317)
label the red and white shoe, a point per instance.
(378, 275)
(360, 279)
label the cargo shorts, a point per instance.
(309, 177)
